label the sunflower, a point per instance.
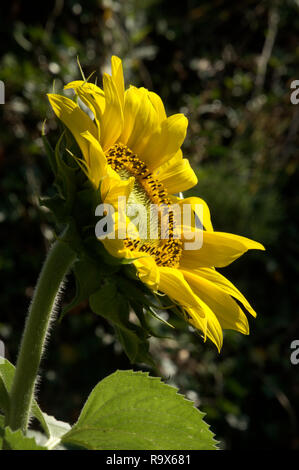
(131, 149)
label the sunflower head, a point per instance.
(130, 153)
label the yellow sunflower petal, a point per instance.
(227, 311)
(223, 284)
(148, 271)
(114, 240)
(173, 284)
(165, 142)
(214, 332)
(91, 95)
(131, 107)
(201, 209)
(117, 249)
(74, 119)
(118, 78)
(209, 326)
(112, 120)
(97, 162)
(141, 119)
(88, 87)
(158, 105)
(176, 174)
(113, 188)
(219, 249)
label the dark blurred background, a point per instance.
(228, 66)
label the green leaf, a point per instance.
(135, 344)
(134, 291)
(88, 276)
(56, 205)
(4, 398)
(65, 177)
(143, 302)
(132, 411)
(54, 429)
(40, 438)
(50, 152)
(65, 181)
(110, 304)
(16, 440)
(7, 372)
(85, 202)
(2, 421)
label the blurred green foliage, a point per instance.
(228, 66)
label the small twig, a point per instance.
(273, 20)
(58, 6)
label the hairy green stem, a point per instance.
(58, 262)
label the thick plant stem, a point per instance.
(58, 262)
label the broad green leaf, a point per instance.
(133, 411)
(16, 440)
